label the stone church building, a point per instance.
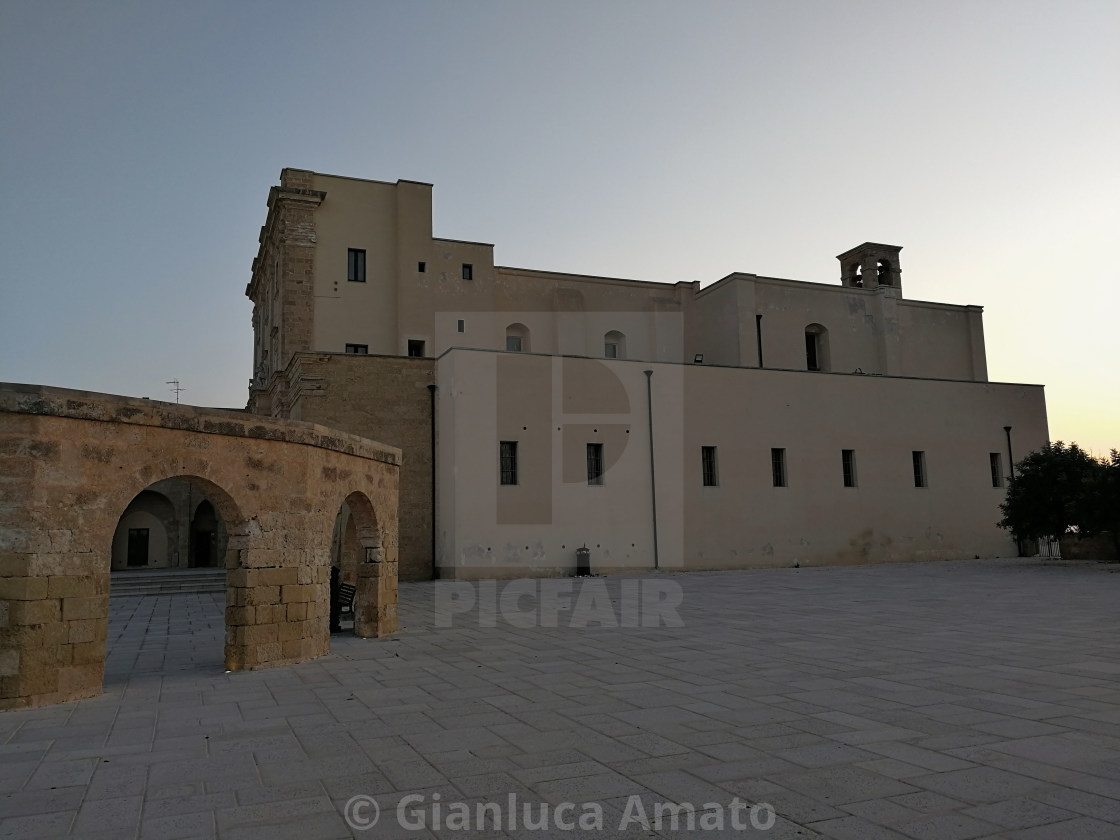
(756, 421)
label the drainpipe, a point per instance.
(432, 418)
(652, 472)
(1010, 457)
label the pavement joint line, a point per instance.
(825, 691)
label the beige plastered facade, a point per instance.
(72, 462)
(746, 364)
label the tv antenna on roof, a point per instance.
(174, 383)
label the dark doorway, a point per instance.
(204, 528)
(138, 546)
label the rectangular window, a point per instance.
(421, 266)
(360, 349)
(848, 461)
(356, 265)
(595, 464)
(708, 466)
(461, 326)
(920, 469)
(778, 466)
(812, 359)
(415, 347)
(468, 271)
(610, 350)
(507, 458)
(996, 460)
(513, 343)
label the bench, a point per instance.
(346, 593)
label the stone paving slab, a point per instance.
(969, 699)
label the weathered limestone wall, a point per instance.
(383, 398)
(70, 463)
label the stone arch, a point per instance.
(517, 338)
(226, 510)
(884, 272)
(361, 554)
(87, 456)
(817, 355)
(614, 345)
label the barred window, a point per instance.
(507, 457)
(708, 466)
(595, 464)
(848, 462)
(778, 466)
(920, 479)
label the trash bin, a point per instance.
(583, 562)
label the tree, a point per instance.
(1060, 490)
(1105, 500)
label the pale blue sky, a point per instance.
(650, 140)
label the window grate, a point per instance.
(595, 464)
(708, 466)
(778, 466)
(848, 461)
(507, 457)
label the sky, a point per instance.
(649, 140)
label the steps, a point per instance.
(166, 581)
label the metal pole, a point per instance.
(432, 390)
(652, 470)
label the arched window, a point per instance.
(614, 345)
(517, 338)
(883, 273)
(816, 347)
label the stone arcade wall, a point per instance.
(71, 461)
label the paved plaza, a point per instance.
(971, 699)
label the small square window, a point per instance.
(415, 347)
(421, 266)
(461, 326)
(778, 466)
(595, 464)
(507, 461)
(708, 466)
(359, 349)
(920, 479)
(468, 271)
(610, 350)
(848, 462)
(996, 463)
(513, 343)
(356, 265)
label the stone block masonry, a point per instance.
(383, 398)
(70, 463)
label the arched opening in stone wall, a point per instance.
(884, 272)
(355, 566)
(207, 538)
(167, 584)
(517, 338)
(614, 345)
